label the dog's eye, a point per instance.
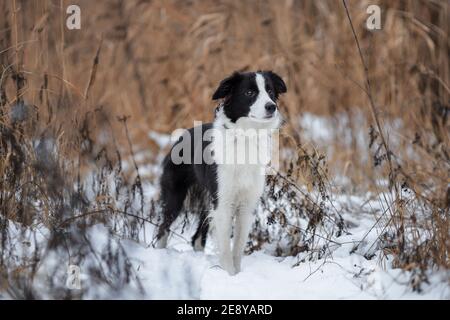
(270, 91)
(250, 93)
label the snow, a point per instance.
(178, 272)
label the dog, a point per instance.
(248, 101)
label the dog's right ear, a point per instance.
(226, 86)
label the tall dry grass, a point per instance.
(156, 63)
(161, 60)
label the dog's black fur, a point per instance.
(178, 179)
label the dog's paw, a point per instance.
(228, 266)
(237, 263)
(160, 243)
(231, 271)
(198, 245)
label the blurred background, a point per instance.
(104, 96)
(159, 62)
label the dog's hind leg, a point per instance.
(199, 238)
(172, 203)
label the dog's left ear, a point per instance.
(226, 86)
(278, 83)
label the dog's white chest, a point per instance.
(239, 183)
(240, 173)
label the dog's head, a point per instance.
(251, 97)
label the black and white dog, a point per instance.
(234, 189)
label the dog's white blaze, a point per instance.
(258, 108)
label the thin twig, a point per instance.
(102, 211)
(93, 70)
(16, 35)
(368, 92)
(138, 181)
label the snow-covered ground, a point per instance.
(178, 272)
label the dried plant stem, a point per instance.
(368, 92)
(62, 44)
(16, 35)
(109, 210)
(93, 70)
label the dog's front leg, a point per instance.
(222, 219)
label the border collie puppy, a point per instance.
(233, 188)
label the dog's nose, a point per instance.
(270, 107)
